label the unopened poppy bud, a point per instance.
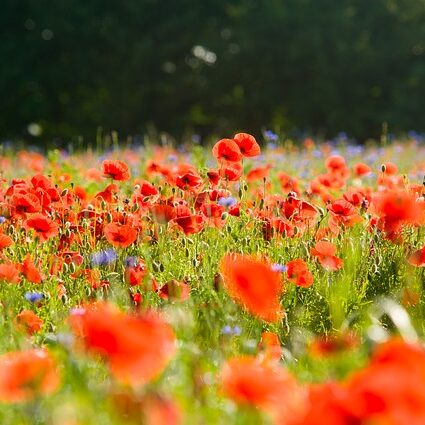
(64, 192)
(65, 268)
(108, 217)
(67, 233)
(383, 168)
(261, 204)
(72, 267)
(11, 230)
(224, 215)
(296, 230)
(136, 187)
(90, 207)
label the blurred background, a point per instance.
(211, 67)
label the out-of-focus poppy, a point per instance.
(25, 375)
(270, 346)
(5, 241)
(120, 235)
(116, 170)
(29, 322)
(174, 290)
(263, 384)
(396, 208)
(30, 271)
(298, 273)
(136, 347)
(254, 284)
(325, 253)
(258, 173)
(326, 345)
(361, 169)
(417, 258)
(9, 272)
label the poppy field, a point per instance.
(248, 282)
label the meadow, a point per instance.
(230, 284)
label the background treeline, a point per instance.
(206, 66)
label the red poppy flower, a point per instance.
(344, 213)
(5, 241)
(258, 173)
(230, 171)
(189, 180)
(136, 347)
(325, 253)
(162, 213)
(190, 224)
(44, 227)
(270, 345)
(30, 272)
(254, 284)
(247, 144)
(299, 274)
(29, 322)
(396, 208)
(9, 272)
(120, 235)
(134, 275)
(175, 291)
(227, 150)
(248, 381)
(25, 203)
(116, 170)
(361, 169)
(417, 258)
(323, 346)
(389, 168)
(213, 177)
(25, 375)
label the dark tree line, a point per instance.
(211, 66)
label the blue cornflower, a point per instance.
(228, 330)
(226, 202)
(103, 258)
(33, 297)
(281, 268)
(270, 135)
(131, 262)
(2, 219)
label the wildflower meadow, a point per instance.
(252, 281)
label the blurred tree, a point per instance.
(211, 66)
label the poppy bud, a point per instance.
(72, 267)
(108, 217)
(64, 192)
(383, 168)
